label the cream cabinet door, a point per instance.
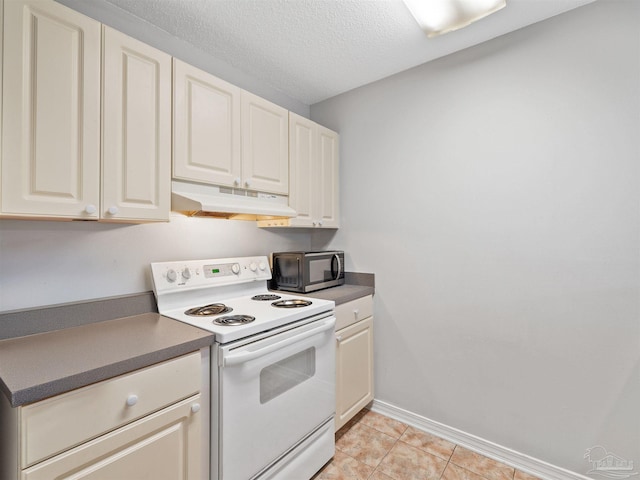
(136, 130)
(313, 168)
(302, 162)
(265, 146)
(163, 446)
(354, 370)
(206, 127)
(51, 111)
(328, 192)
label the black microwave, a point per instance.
(305, 272)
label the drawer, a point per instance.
(353, 311)
(58, 423)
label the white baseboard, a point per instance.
(520, 461)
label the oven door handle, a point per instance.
(242, 357)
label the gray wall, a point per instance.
(48, 263)
(495, 193)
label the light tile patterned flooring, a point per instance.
(374, 447)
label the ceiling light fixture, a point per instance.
(441, 16)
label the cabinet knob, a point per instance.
(320, 223)
(195, 408)
(236, 181)
(356, 312)
(90, 209)
(132, 400)
(247, 183)
(112, 210)
(339, 338)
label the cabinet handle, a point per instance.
(236, 182)
(90, 209)
(195, 408)
(339, 338)
(356, 312)
(112, 210)
(132, 400)
(247, 183)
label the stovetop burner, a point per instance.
(294, 303)
(208, 310)
(233, 320)
(266, 297)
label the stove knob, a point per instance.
(262, 266)
(186, 274)
(172, 276)
(253, 266)
(235, 268)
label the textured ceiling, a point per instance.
(315, 49)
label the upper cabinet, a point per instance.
(51, 111)
(136, 129)
(206, 127)
(93, 121)
(313, 170)
(226, 136)
(57, 73)
(265, 150)
(327, 171)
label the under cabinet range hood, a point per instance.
(200, 200)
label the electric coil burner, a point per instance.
(208, 310)
(234, 320)
(266, 297)
(293, 303)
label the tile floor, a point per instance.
(374, 447)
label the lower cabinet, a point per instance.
(354, 358)
(160, 446)
(145, 424)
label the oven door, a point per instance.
(273, 394)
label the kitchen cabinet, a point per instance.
(354, 358)
(313, 170)
(146, 424)
(206, 128)
(87, 119)
(226, 136)
(136, 129)
(265, 147)
(51, 112)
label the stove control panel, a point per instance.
(175, 276)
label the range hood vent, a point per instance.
(199, 200)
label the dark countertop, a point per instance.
(39, 366)
(357, 285)
(342, 294)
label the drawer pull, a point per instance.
(195, 408)
(132, 400)
(356, 312)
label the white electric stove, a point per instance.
(272, 366)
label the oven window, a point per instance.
(281, 376)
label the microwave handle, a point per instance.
(242, 357)
(339, 272)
